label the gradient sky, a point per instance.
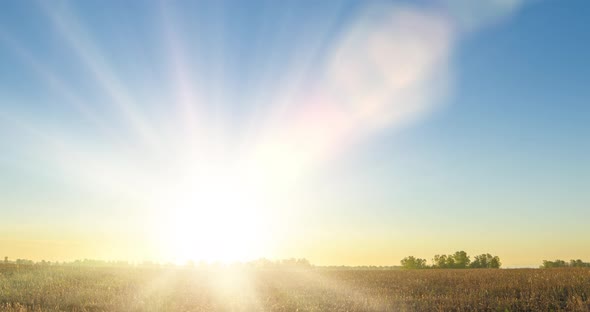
(346, 132)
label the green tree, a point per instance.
(412, 262)
(547, 264)
(485, 261)
(554, 264)
(440, 261)
(480, 261)
(450, 262)
(495, 263)
(579, 264)
(460, 260)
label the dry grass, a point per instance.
(140, 289)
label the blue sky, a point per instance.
(493, 159)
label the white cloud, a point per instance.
(470, 15)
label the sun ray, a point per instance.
(72, 31)
(51, 78)
(187, 87)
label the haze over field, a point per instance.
(345, 132)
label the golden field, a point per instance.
(80, 288)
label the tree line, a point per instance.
(563, 264)
(262, 263)
(458, 260)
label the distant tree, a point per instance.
(562, 264)
(303, 262)
(478, 262)
(485, 261)
(495, 263)
(450, 262)
(440, 261)
(24, 262)
(5, 259)
(554, 264)
(412, 262)
(579, 264)
(460, 260)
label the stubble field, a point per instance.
(71, 288)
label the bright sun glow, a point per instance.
(216, 214)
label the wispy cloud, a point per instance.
(473, 15)
(390, 67)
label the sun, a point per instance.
(215, 215)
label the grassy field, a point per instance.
(62, 288)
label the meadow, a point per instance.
(78, 288)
